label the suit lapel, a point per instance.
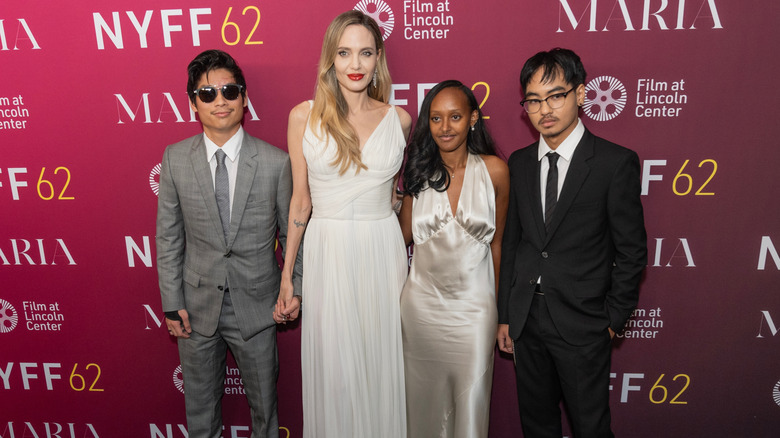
(531, 169)
(205, 182)
(245, 175)
(575, 177)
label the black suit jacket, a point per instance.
(592, 259)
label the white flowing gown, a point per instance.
(354, 269)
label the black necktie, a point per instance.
(551, 191)
(222, 191)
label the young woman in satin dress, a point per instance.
(454, 208)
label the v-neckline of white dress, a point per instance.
(462, 186)
(376, 128)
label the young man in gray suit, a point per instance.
(573, 252)
(223, 196)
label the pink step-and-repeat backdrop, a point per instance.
(92, 91)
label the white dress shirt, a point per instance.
(565, 151)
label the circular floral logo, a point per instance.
(605, 98)
(178, 379)
(154, 179)
(8, 317)
(381, 13)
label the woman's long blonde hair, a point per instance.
(330, 110)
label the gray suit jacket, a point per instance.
(193, 260)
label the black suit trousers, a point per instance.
(550, 369)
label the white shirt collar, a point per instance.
(231, 147)
(567, 147)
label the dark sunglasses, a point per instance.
(208, 93)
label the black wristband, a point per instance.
(173, 316)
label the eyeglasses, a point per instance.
(208, 93)
(555, 101)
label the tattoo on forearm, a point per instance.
(298, 223)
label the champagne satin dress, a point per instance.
(448, 310)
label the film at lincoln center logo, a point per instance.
(178, 379)
(776, 393)
(605, 98)
(154, 179)
(381, 13)
(8, 317)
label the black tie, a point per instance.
(222, 191)
(551, 192)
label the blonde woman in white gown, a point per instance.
(346, 148)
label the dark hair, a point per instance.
(212, 60)
(424, 165)
(556, 60)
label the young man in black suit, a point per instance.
(574, 249)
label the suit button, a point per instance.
(544, 254)
(532, 282)
(228, 254)
(220, 287)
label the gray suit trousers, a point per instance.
(203, 360)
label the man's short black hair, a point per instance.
(212, 60)
(552, 63)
